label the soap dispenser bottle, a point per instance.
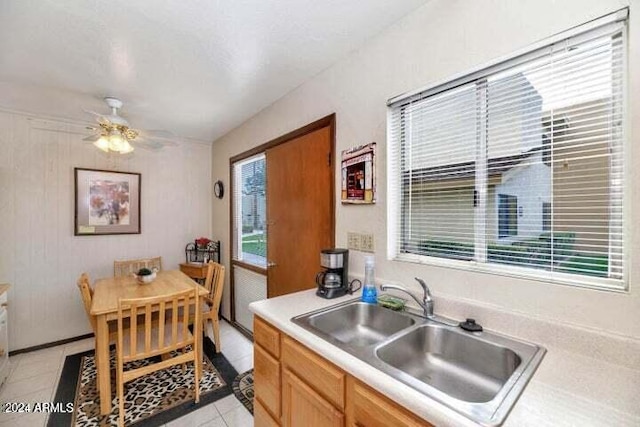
(369, 293)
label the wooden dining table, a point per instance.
(105, 308)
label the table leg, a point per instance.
(102, 364)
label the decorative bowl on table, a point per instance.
(145, 276)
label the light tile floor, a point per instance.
(34, 378)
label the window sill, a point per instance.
(576, 281)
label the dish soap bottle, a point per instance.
(369, 293)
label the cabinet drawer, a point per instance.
(267, 336)
(262, 417)
(369, 408)
(266, 378)
(320, 374)
(195, 271)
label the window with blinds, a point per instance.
(518, 168)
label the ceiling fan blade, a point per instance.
(100, 118)
(149, 145)
(92, 138)
(158, 134)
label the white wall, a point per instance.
(40, 256)
(439, 40)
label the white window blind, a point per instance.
(249, 207)
(518, 168)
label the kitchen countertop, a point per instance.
(568, 388)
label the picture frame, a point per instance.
(359, 175)
(106, 202)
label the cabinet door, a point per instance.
(302, 406)
(262, 417)
(266, 380)
(324, 377)
(366, 407)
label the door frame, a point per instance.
(327, 121)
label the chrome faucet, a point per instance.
(427, 302)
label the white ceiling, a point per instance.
(198, 68)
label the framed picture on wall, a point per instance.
(359, 175)
(106, 202)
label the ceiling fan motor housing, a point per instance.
(113, 102)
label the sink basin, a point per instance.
(478, 374)
(456, 363)
(360, 324)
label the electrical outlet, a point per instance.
(366, 243)
(353, 241)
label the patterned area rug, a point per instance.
(150, 401)
(243, 389)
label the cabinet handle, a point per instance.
(4, 304)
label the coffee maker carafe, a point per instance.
(333, 281)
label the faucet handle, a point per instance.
(425, 288)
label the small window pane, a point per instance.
(250, 211)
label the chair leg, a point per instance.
(198, 370)
(97, 362)
(201, 347)
(197, 363)
(120, 387)
(216, 333)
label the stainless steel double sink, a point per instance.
(478, 374)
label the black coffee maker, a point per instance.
(333, 281)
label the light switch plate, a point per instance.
(353, 241)
(366, 243)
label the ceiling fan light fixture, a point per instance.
(126, 148)
(116, 142)
(102, 143)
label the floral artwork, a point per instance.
(107, 202)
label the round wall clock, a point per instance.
(218, 189)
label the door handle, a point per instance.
(271, 264)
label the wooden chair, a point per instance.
(128, 267)
(155, 338)
(214, 283)
(84, 284)
(87, 297)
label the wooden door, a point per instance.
(299, 210)
(302, 406)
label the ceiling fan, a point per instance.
(113, 133)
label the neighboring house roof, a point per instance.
(497, 166)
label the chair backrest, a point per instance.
(87, 297)
(214, 284)
(154, 337)
(128, 267)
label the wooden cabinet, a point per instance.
(266, 373)
(294, 386)
(262, 417)
(303, 406)
(325, 378)
(367, 407)
(195, 270)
